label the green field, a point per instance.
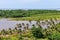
(39, 17)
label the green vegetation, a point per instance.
(35, 33)
(29, 14)
(51, 33)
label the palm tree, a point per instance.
(52, 21)
(53, 25)
(55, 19)
(57, 28)
(48, 23)
(24, 29)
(4, 32)
(19, 28)
(39, 26)
(19, 25)
(29, 21)
(10, 31)
(33, 25)
(23, 24)
(16, 28)
(43, 23)
(27, 26)
(38, 22)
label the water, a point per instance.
(7, 23)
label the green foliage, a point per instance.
(37, 32)
(51, 33)
(54, 36)
(20, 38)
(26, 13)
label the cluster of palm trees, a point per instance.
(20, 28)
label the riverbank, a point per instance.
(41, 17)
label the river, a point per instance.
(7, 23)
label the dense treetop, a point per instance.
(25, 13)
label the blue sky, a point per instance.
(29, 4)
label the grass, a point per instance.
(38, 17)
(25, 37)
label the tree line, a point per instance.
(25, 13)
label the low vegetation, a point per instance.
(35, 33)
(50, 33)
(29, 14)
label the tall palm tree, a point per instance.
(10, 31)
(16, 28)
(43, 23)
(27, 26)
(52, 21)
(55, 19)
(33, 25)
(23, 24)
(38, 22)
(24, 28)
(53, 24)
(29, 21)
(4, 32)
(19, 25)
(48, 23)
(39, 26)
(19, 28)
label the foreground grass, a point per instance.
(25, 36)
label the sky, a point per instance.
(29, 4)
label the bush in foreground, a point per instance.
(37, 32)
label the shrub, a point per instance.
(37, 32)
(54, 36)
